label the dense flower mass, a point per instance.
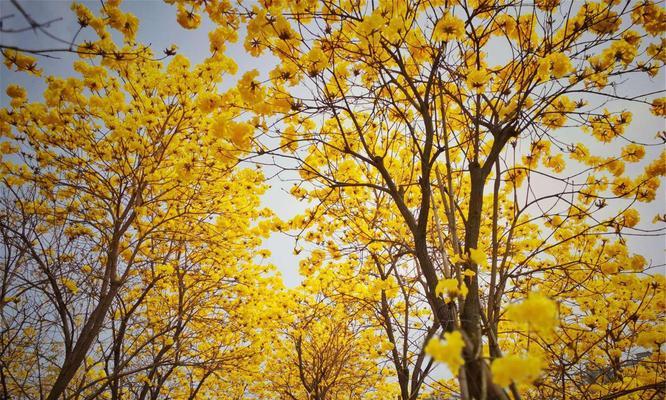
(537, 310)
(515, 368)
(470, 193)
(447, 350)
(449, 27)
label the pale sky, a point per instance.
(158, 27)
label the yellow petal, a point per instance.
(478, 257)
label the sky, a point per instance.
(159, 29)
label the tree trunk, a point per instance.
(477, 372)
(88, 334)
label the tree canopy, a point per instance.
(478, 179)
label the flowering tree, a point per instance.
(476, 190)
(322, 349)
(129, 234)
(412, 121)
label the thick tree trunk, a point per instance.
(477, 372)
(470, 313)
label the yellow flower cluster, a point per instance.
(70, 285)
(20, 61)
(188, 19)
(554, 65)
(631, 217)
(17, 94)
(652, 338)
(538, 311)
(449, 27)
(519, 369)
(659, 107)
(449, 289)
(478, 257)
(477, 79)
(448, 351)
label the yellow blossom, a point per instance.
(241, 134)
(15, 91)
(21, 61)
(519, 369)
(652, 338)
(448, 28)
(547, 4)
(556, 163)
(560, 64)
(17, 94)
(449, 289)
(249, 89)
(637, 262)
(447, 351)
(70, 285)
(478, 257)
(476, 79)
(633, 152)
(537, 310)
(631, 217)
(188, 19)
(659, 107)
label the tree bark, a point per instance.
(88, 334)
